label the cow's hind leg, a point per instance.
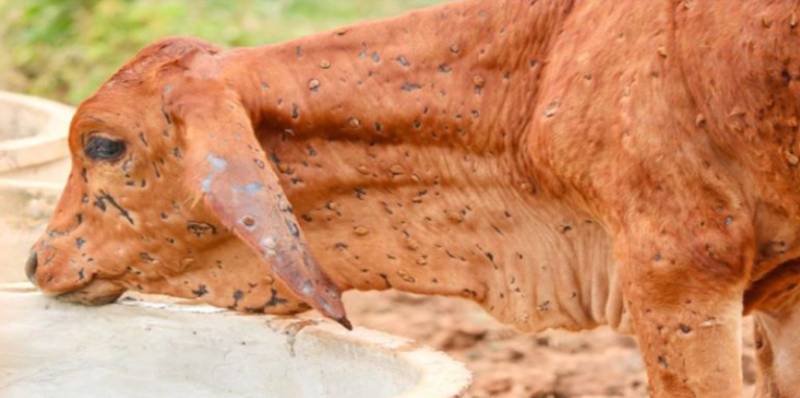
(685, 302)
(777, 335)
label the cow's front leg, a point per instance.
(685, 300)
(778, 348)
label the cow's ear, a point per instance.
(228, 171)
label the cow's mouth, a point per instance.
(88, 290)
(97, 292)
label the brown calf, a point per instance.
(631, 163)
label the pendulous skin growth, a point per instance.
(631, 163)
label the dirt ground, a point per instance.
(504, 363)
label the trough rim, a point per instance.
(440, 376)
(50, 142)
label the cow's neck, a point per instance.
(444, 75)
(392, 134)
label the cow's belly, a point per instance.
(562, 275)
(433, 221)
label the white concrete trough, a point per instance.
(166, 348)
(147, 346)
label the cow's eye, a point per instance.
(102, 148)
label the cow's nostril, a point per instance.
(30, 267)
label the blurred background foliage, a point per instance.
(64, 49)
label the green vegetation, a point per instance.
(64, 49)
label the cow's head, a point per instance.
(170, 192)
